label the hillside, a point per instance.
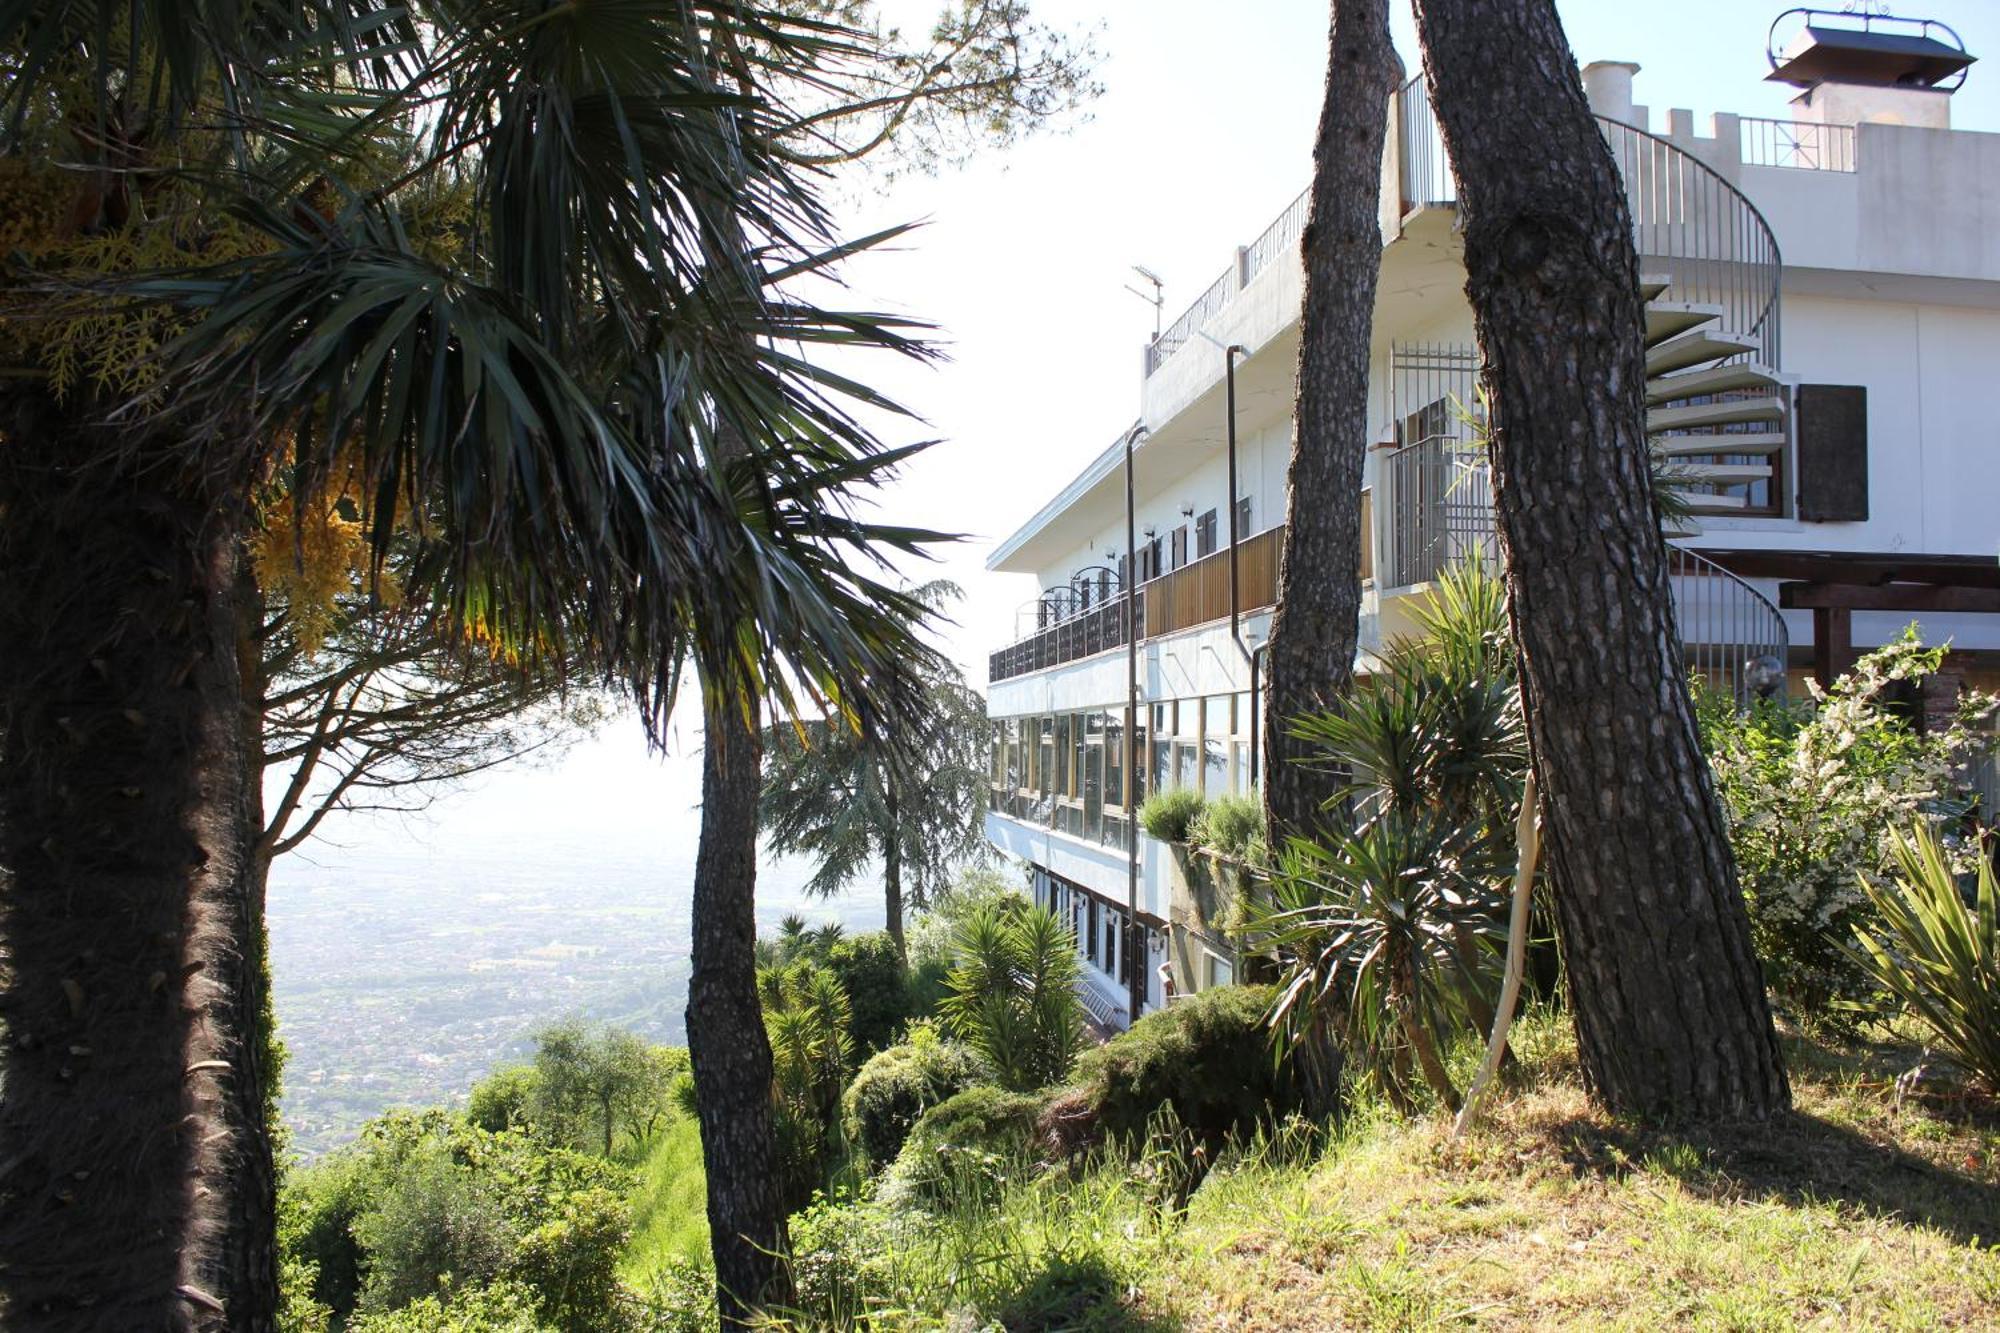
(1864, 1209)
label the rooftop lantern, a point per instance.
(1867, 67)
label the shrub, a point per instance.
(503, 1307)
(1013, 994)
(431, 1221)
(318, 1208)
(807, 1017)
(877, 985)
(1228, 825)
(1817, 796)
(938, 921)
(964, 1145)
(900, 1084)
(1207, 1056)
(504, 1099)
(1937, 956)
(1170, 815)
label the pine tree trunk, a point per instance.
(726, 1040)
(892, 871)
(1314, 631)
(1670, 1010)
(136, 1182)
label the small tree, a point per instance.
(1013, 994)
(591, 1081)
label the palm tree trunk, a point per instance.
(1671, 1016)
(136, 1179)
(1314, 631)
(892, 870)
(726, 1040)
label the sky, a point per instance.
(1202, 135)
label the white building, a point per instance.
(1823, 334)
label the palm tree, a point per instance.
(908, 797)
(488, 256)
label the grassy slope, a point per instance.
(1856, 1212)
(670, 1217)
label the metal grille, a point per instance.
(1804, 144)
(1280, 240)
(1733, 638)
(1206, 307)
(1423, 169)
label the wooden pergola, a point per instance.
(1833, 585)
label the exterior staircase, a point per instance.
(1717, 420)
(1716, 416)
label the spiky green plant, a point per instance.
(1013, 994)
(1171, 815)
(1938, 956)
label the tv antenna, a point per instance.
(1158, 298)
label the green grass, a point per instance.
(1862, 1209)
(669, 1204)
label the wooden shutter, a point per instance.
(1832, 421)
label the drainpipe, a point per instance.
(1250, 655)
(1135, 937)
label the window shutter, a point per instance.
(1832, 423)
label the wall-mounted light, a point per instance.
(1187, 511)
(1151, 532)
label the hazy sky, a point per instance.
(1203, 134)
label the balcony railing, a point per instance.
(1691, 225)
(1194, 594)
(1438, 498)
(1805, 144)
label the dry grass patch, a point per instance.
(1859, 1210)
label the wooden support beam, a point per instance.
(1833, 642)
(1888, 597)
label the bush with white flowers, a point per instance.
(1816, 792)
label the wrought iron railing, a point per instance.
(1436, 496)
(1095, 631)
(1691, 225)
(1733, 637)
(1699, 232)
(1805, 144)
(1280, 241)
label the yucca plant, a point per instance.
(807, 1015)
(1013, 994)
(1937, 955)
(1389, 936)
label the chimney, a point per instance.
(1607, 86)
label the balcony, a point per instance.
(1088, 618)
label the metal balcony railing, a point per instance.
(1803, 144)
(1437, 498)
(1691, 225)
(1733, 637)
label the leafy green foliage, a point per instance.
(501, 1307)
(937, 924)
(1172, 815)
(898, 1085)
(877, 985)
(1819, 794)
(1206, 1056)
(1384, 932)
(1230, 825)
(1937, 956)
(966, 1143)
(427, 1206)
(592, 1082)
(807, 1015)
(504, 1099)
(1013, 994)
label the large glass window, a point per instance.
(1060, 786)
(1162, 767)
(1218, 713)
(1093, 775)
(1114, 761)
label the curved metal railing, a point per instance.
(1701, 233)
(1732, 635)
(1691, 226)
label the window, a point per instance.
(1216, 970)
(1162, 739)
(1180, 546)
(1242, 742)
(1114, 761)
(1091, 923)
(1113, 926)
(1204, 534)
(1093, 776)
(1218, 726)
(1243, 517)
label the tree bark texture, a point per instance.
(1671, 1017)
(730, 1052)
(136, 1183)
(1313, 633)
(892, 869)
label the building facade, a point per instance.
(1823, 315)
